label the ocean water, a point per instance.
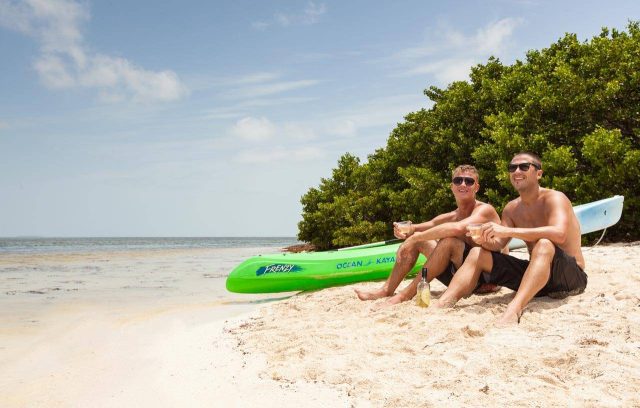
(62, 245)
(38, 274)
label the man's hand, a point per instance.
(401, 235)
(492, 231)
(478, 239)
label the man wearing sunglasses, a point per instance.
(545, 220)
(442, 240)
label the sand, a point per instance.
(318, 349)
(579, 351)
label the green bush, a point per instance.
(575, 103)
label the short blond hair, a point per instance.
(466, 168)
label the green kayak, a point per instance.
(285, 272)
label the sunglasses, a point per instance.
(468, 181)
(522, 166)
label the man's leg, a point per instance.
(406, 258)
(448, 250)
(535, 278)
(466, 278)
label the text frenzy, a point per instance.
(278, 268)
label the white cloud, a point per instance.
(250, 89)
(344, 128)
(385, 111)
(279, 154)
(447, 70)
(271, 88)
(243, 108)
(449, 53)
(313, 12)
(223, 113)
(276, 101)
(205, 82)
(310, 15)
(254, 129)
(257, 77)
(298, 131)
(347, 123)
(493, 38)
(262, 129)
(260, 25)
(66, 62)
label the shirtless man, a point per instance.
(442, 240)
(545, 220)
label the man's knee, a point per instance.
(414, 245)
(452, 249)
(544, 248)
(408, 248)
(475, 252)
(451, 244)
(480, 257)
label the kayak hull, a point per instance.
(315, 270)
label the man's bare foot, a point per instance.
(508, 319)
(444, 304)
(393, 300)
(370, 295)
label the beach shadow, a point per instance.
(256, 301)
(546, 303)
(536, 304)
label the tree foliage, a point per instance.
(575, 103)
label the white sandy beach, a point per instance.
(326, 348)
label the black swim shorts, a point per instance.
(566, 278)
(446, 276)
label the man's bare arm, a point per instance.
(480, 215)
(493, 243)
(437, 220)
(558, 210)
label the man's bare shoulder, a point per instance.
(481, 206)
(512, 205)
(450, 216)
(554, 197)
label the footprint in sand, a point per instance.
(550, 379)
(589, 341)
(561, 362)
(470, 331)
(623, 295)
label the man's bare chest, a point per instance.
(529, 217)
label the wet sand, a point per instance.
(127, 328)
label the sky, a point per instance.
(213, 118)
